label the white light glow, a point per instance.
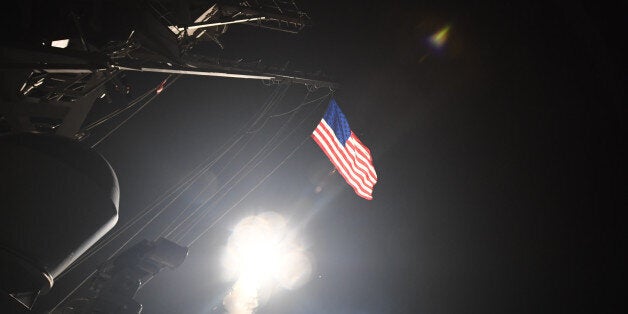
(62, 43)
(262, 253)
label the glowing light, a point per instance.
(439, 38)
(262, 254)
(62, 43)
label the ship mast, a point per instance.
(58, 87)
(50, 87)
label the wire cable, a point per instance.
(189, 182)
(263, 180)
(134, 113)
(73, 290)
(199, 207)
(247, 194)
(165, 207)
(117, 112)
(185, 183)
(299, 106)
(265, 121)
(184, 231)
(180, 236)
(271, 102)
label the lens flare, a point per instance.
(262, 253)
(439, 38)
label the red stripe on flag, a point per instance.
(345, 161)
(343, 156)
(319, 140)
(363, 152)
(333, 157)
(330, 154)
(348, 159)
(360, 162)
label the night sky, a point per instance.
(497, 157)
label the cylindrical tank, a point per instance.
(57, 198)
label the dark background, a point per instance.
(497, 157)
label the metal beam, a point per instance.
(213, 24)
(198, 72)
(233, 73)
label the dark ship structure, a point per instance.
(58, 195)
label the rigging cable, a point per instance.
(207, 186)
(150, 221)
(224, 213)
(118, 111)
(180, 236)
(299, 107)
(189, 179)
(266, 177)
(183, 231)
(73, 290)
(289, 111)
(199, 207)
(133, 114)
(274, 100)
(248, 193)
(185, 184)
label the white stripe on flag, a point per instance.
(365, 153)
(337, 161)
(348, 157)
(330, 154)
(341, 152)
(361, 162)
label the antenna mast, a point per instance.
(58, 87)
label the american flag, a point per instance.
(343, 148)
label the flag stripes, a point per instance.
(353, 160)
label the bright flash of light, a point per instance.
(262, 254)
(61, 43)
(439, 38)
